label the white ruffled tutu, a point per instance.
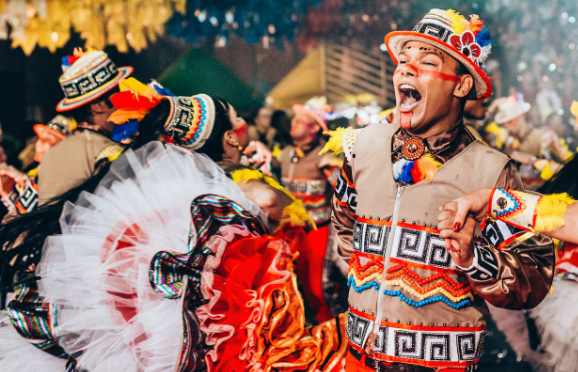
(556, 320)
(96, 274)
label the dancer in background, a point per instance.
(311, 177)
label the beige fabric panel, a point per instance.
(69, 164)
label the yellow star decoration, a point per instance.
(120, 23)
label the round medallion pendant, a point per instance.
(413, 148)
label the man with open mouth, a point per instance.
(418, 296)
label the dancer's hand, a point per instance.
(370, 344)
(259, 154)
(8, 177)
(459, 239)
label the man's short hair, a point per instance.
(461, 70)
(83, 114)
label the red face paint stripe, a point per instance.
(432, 74)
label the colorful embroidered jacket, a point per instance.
(310, 177)
(403, 284)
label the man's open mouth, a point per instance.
(409, 96)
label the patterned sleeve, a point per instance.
(23, 198)
(515, 268)
(344, 203)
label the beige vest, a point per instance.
(308, 182)
(412, 309)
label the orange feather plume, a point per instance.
(133, 102)
(476, 24)
(425, 168)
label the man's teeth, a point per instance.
(406, 86)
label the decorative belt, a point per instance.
(428, 346)
(304, 185)
(320, 215)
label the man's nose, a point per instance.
(408, 69)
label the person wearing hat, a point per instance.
(417, 299)
(310, 177)
(19, 190)
(527, 144)
(88, 81)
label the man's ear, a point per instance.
(464, 87)
(99, 107)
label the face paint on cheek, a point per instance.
(432, 75)
(241, 130)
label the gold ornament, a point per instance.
(120, 23)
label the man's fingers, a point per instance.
(449, 234)
(447, 224)
(446, 215)
(449, 206)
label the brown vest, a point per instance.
(416, 310)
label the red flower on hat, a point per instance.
(466, 43)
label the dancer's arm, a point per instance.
(268, 198)
(475, 201)
(344, 202)
(514, 269)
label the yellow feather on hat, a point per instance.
(458, 21)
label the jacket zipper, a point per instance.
(387, 255)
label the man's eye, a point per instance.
(429, 63)
(402, 62)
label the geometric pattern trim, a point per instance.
(513, 207)
(415, 245)
(484, 266)
(498, 233)
(436, 288)
(345, 193)
(363, 277)
(427, 346)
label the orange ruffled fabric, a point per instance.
(255, 318)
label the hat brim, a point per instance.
(297, 108)
(397, 39)
(70, 104)
(504, 117)
(40, 129)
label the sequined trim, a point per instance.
(209, 213)
(415, 245)
(304, 186)
(320, 215)
(89, 81)
(31, 319)
(426, 346)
